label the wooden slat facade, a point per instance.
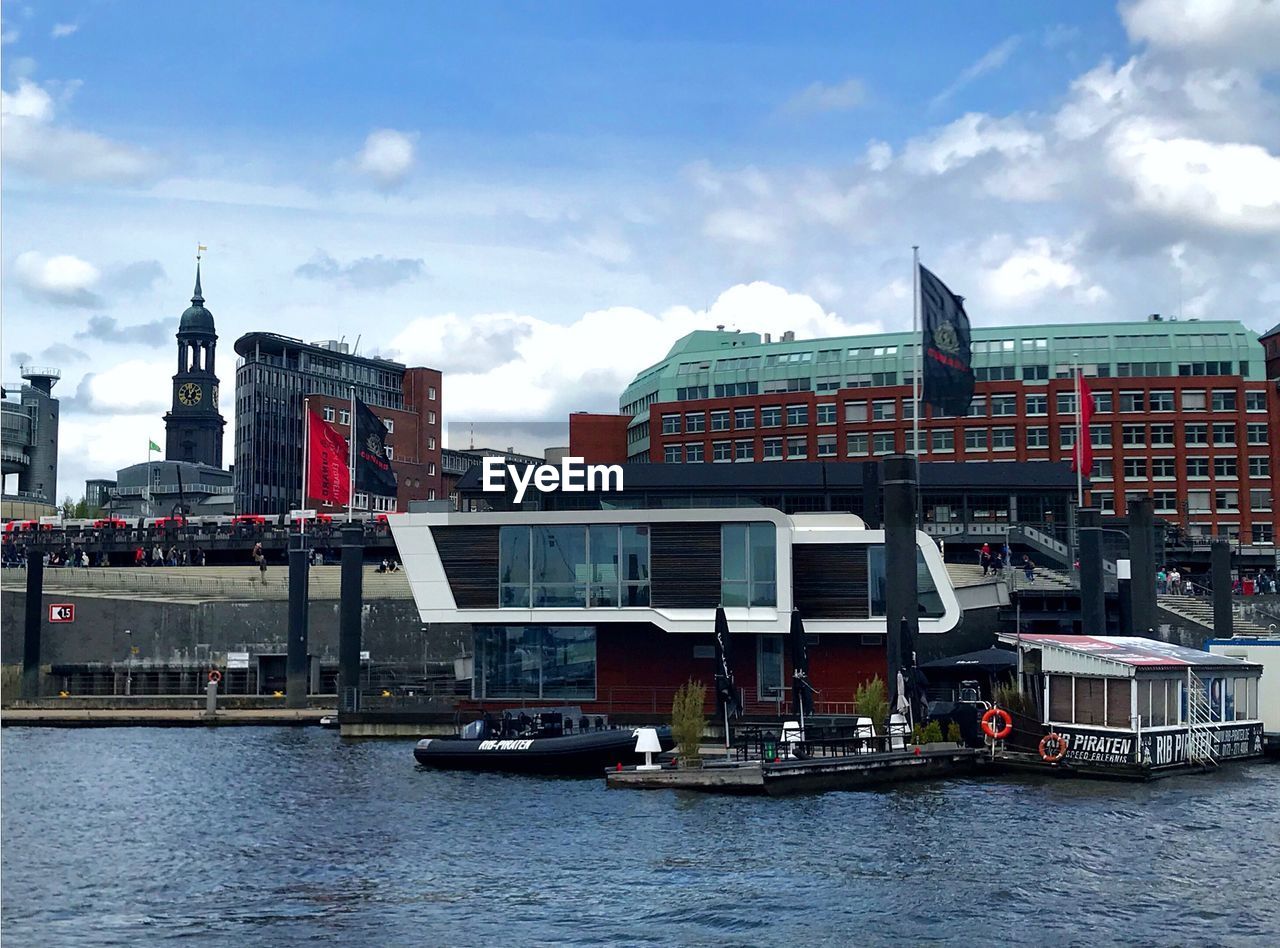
(684, 562)
(830, 580)
(470, 559)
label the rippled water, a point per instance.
(137, 836)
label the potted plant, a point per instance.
(688, 721)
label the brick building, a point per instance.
(274, 377)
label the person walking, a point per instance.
(157, 556)
(1028, 567)
(139, 557)
(260, 558)
(984, 557)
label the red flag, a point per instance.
(328, 476)
(1082, 456)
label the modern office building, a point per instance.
(97, 493)
(193, 426)
(613, 610)
(274, 375)
(30, 441)
(1183, 410)
(163, 488)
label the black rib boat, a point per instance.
(556, 742)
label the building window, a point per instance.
(1193, 400)
(1259, 500)
(693, 453)
(772, 449)
(431, 418)
(855, 411)
(1100, 436)
(748, 564)
(1132, 402)
(744, 450)
(527, 661)
(722, 451)
(1035, 373)
(1106, 501)
(884, 409)
(826, 446)
(1195, 433)
(1198, 468)
(1263, 533)
(826, 383)
(671, 453)
(720, 420)
(1255, 401)
(1037, 405)
(827, 414)
(328, 413)
(344, 417)
(975, 439)
(1066, 403)
(744, 418)
(694, 422)
(670, 424)
(977, 407)
(431, 444)
(389, 451)
(1162, 436)
(1102, 402)
(431, 393)
(431, 469)
(573, 565)
(797, 448)
(1067, 436)
(1135, 469)
(1224, 399)
(942, 440)
(1259, 466)
(1164, 468)
(1226, 501)
(1133, 436)
(1004, 404)
(915, 442)
(1038, 437)
(797, 415)
(1003, 439)
(771, 416)
(1224, 434)
(389, 424)
(1198, 501)
(1102, 469)
(1256, 433)
(882, 442)
(1166, 501)
(855, 444)
(1226, 467)
(1160, 401)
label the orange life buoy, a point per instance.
(215, 676)
(990, 730)
(1053, 747)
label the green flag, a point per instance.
(152, 446)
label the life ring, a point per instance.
(215, 676)
(990, 730)
(1053, 747)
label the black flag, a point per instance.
(726, 691)
(373, 470)
(801, 689)
(947, 380)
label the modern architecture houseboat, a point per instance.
(612, 610)
(1128, 706)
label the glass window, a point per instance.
(826, 446)
(328, 414)
(770, 682)
(855, 444)
(1193, 400)
(513, 566)
(975, 439)
(720, 420)
(1224, 433)
(1226, 500)
(1105, 500)
(695, 421)
(943, 439)
(1197, 467)
(827, 414)
(771, 417)
(744, 451)
(1166, 501)
(1162, 436)
(1198, 501)
(1038, 437)
(1225, 467)
(1197, 433)
(535, 662)
(1004, 404)
(772, 449)
(1134, 436)
(1166, 468)
(884, 409)
(558, 563)
(1135, 468)
(1102, 402)
(797, 414)
(1100, 436)
(744, 418)
(1256, 433)
(1160, 401)
(633, 564)
(855, 411)
(748, 564)
(670, 424)
(1260, 466)
(1102, 469)
(1037, 405)
(797, 448)
(926, 588)
(1066, 403)
(1003, 439)
(722, 451)
(882, 442)
(1132, 402)
(671, 453)
(693, 453)
(1224, 399)
(1260, 500)
(1255, 401)
(977, 407)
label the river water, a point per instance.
(278, 835)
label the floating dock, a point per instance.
(801, 775)
(160, 717)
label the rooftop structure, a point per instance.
(30, 436)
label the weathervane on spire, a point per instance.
(200, 248)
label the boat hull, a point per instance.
(572, 755)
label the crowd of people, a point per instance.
(995, 562)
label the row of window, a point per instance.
(1198, 501)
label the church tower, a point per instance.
(193, 426)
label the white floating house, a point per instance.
(1139, 704)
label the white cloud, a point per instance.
(989, 61)
(1035, 269)
(820, 97)
(63, 279)
(879, 155)
(35, 145)
(61, 30)
(738, 225)
(1237, 32)
(135, 386)
(387, 156)
(967, 138)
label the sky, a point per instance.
(538, 199)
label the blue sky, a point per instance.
(510, 191)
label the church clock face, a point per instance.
(189, 394)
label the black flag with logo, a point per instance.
(947, 379)
(373, 473)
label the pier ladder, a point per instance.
(1199, 722)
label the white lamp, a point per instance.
(647, 743)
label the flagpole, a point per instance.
(351, 460)
(1075, 358)
(918, 331)
(306, 453)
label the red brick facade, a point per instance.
(600, 439)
